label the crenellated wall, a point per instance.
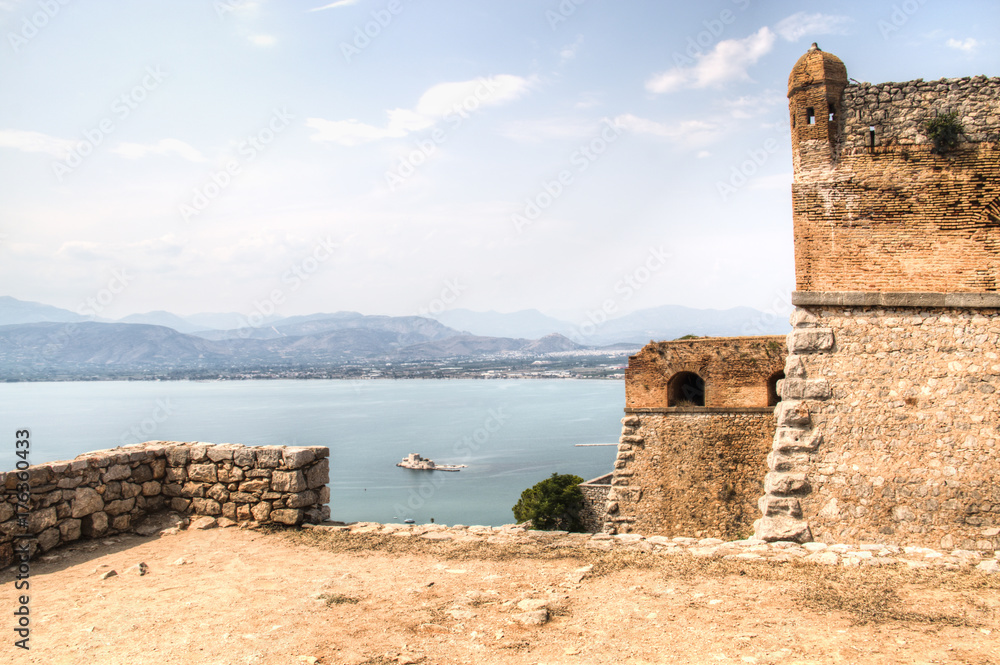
(110, 491)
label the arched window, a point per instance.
(686, 389)
(772, 388)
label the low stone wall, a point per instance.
(110, 491)
(690, 471)
(595, 502)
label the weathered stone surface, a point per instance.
(296, 458)
(202, 473)
(206, 506)
(116, 472)
(287, 516)
(534, 618)
(810, 340)
(256, 485)
(288, 481)
(268, 457)
(202, 523)
(118, 507)
(95, 524)
(782, 528)
(70, 530)
(86, 501)
(318, 474)
(301, 500)
(261, 511)
(151, 488)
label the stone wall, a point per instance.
(595, 503)
(736, 370)
(110, 491)
(888, 429)
(694, 472)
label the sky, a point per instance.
(580, 157)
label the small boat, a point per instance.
(418, 463)
(409, 521)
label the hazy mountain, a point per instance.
(551, 344)
(223, 320)
(411, 329)
(527, 323)
(14, 311)
(161, 318)
(673, 321)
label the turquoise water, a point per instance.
(510, 433)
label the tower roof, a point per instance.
(816, 66)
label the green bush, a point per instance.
(945, 131)
(554, 503)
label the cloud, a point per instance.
(433, 106)
(801, 24)
(334, 5)
(749, 106)
(687, 131)
(544, 129)
(728, 61)
(27, 141)
(968, 45)
(161, 147)
(262, 40)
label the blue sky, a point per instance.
(405, 156)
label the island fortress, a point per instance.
(888, 423)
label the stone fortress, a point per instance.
(886, 424)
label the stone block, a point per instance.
(179, 504)
(803, 318)
(177, 455)
(86, 501)
(69, 483)
(786, 483)
(243, 513)
(318, 474)
(6, 511)
(116, 472)
(319, 452)
(772, 506)
(261, 511)
(229, 510)
(175, 474)
(788, 441)
(324, 495)
(141, 474)
(256, 485)
(301, 500)
(242, 497)
(70, 530)
(818, 389)
(810, 340)
(193, 489)
(244, 456)
(793, 414)
(199, 452)
(120, 506)
(772, 529)
(206, 507)
(94, 525)
(202, 473)
(40, 520)
(287, 516)
(151, 488)
(288, 481)
(130, 490)
(269, 457)
(48, 539)
(172, 489)
(218, 493)
(121, 522)
(296, 457)
(224, 451)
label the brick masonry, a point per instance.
(110, 491)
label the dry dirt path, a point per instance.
(250, 597)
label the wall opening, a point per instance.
(686, 389)
(773, 397)
(810, 116)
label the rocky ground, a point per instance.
(381, 594)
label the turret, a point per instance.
(815, 90)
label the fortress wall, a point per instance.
(690, 472)
(735, 370)
(595, 500)
(898, 110)
(888, 430)
(110, 491)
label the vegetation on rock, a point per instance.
(553, 503)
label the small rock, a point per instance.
(180, 562)
(535, 618)
(814, 547)
(532, 604)
(311, 660)
(437, 535)
(461, 615)
(433, 628)
(172, 531)
(225, 523)
(110, 573)
(204, 523)
(989, 566)
(139, 569)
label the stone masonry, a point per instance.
(888, 426)
(109, 491)
(699, 424)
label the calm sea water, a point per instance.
(511, 434)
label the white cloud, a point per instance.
(433, 106)
(968, 45)
(334, 5)
(262, 40)
(687, 131)
(544, 129)
(27, 141)
(801, 24)
(702, 154)
(728, 61)
(161, 147)
(749, 106)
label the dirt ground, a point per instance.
(233, 596)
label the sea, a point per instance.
(510, 433)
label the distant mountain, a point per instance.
(223, 320)
(673, 321)
(551, 344)
(410, 329)
(14, 311)
(527, 323)
(161, 318)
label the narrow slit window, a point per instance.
(810, 116)
(871, 138)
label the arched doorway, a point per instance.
(773, 397)
(686, 389)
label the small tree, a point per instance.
(554, 503)
(945, 131)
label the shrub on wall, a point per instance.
(945, 131)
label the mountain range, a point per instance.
(35, 337)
